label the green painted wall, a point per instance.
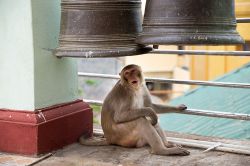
(30, 76)
(55, 79)
(16, 55)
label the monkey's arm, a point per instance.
(127, 115)
(161, 109)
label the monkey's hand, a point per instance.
(152, 115)
(182, 107)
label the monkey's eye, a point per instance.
(126, 73)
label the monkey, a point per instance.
(129, 118)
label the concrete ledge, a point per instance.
(44, 130)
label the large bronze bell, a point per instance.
(100, 28)
(183, 22)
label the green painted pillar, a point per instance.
(16, 56)
(30, 76)
(38, 92)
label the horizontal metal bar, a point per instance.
(183, 52)
(207, 113)
(202, 52)
(172, 81)
(96, 75)
(217, 114)
(95, 102)
(243, 20)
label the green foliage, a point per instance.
(95, 121)
(80, 92)
(91, 82)
(96, 108)
(96, 111)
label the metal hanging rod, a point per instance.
(173, 81)
(243, 20)
(180, 52)
(202, 52)
(207, 113)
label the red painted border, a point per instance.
(44, 130)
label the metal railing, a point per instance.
(243, 20)
(201, 52)
(172, 81)
(207, 113)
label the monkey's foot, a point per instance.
(171, 145)
(171, 152)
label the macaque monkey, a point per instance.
(129, 118)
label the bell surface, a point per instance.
(100, 28)
(186, 22)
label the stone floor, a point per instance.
(78, 155)
(15, 160)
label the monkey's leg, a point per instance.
(149, 133)
(164, 137)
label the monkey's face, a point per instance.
(133, 77)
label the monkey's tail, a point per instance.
(93, 141)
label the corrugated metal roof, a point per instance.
(215, 99)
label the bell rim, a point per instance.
(100, 53)
(188, 39)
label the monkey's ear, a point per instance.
(120, 74)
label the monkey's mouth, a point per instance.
(134, 82)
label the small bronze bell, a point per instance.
(181, 22)
(100, 28)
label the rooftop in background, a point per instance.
(233, 100)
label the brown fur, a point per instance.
(125, 111)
